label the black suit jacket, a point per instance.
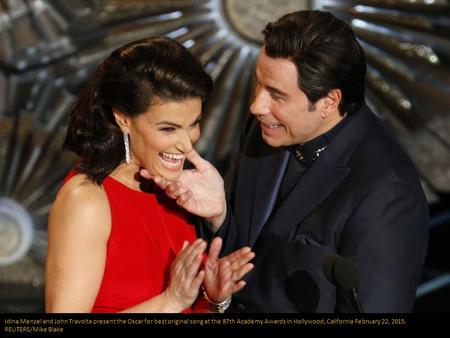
(361, 199)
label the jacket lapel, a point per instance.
(267, 187)
(314, 187)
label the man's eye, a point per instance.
(275, 96)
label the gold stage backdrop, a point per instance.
(49, 48)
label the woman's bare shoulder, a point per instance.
(82, 202)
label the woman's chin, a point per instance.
(170, 175)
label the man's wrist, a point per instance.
(217, 221)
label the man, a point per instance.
(315, 174)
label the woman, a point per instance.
(116, 243)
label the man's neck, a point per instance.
(330, 123)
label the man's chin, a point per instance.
(272, 142)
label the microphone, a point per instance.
(302, 290)
(343, 273)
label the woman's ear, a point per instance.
(122, 120)
(331, 103)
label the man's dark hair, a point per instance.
(128, 81)
(326, 53)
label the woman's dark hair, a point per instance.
(128, 81)
(326, 53)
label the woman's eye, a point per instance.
(167, 129)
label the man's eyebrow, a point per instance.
(276, 91)
(270, 88)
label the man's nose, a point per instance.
(260, 104)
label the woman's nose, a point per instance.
(184, 144)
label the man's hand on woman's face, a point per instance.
(200, 190)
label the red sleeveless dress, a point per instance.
(147, 232)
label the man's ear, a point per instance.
(330, 104)
(122, 120)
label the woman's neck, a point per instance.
(127, 174)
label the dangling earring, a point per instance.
(126, 142)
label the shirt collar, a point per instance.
(310, 151)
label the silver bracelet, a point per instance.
(217, 307)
